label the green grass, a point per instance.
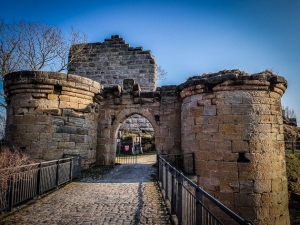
(293, 176)
(293, 171)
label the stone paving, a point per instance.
(126, 195)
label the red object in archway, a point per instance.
(126, 148)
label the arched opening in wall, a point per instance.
(137, 132)
(135, 138)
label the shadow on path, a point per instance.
(125, 195)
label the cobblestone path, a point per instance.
(126, 195)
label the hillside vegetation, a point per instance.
(293, 171)
(292, 133)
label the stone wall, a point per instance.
(136, 124)
(51, 114)
(233, 123)
(160, 108)
(168, 117)
(112, 61)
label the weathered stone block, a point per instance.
(207, 146)
(52, 145)
(229, 186)
(224, 146)
(52, 96)
(64, 98)
(246, 186)
(227, 175)
(36, 128)
(233, 100)
(66, 105)
(61, 137)
(31, 136)
(28, 103)
(210, 110)
(227, 128)
(242, 109)
(66, 129)
(42, 119)
(196, 111)
(18, 119)
(78, 122)
(77, 138)
(240, 146)
(66, 145)
(210, 128)
(262, 186)
(268, 119)
(197, 129)
(223, 109)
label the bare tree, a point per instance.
(288, 112)
(10, 58)
(161, 74)
(36, 46)
(2, 122)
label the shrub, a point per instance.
(11, 161)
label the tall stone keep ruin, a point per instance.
(112, 61)
(231, 120)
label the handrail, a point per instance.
(35, 164)
(163, 178)
(184, 162)
(22, 184)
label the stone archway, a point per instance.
(162, 109)
(126, 113)
(136, 124)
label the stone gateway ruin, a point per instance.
(230, 120)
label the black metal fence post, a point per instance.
(38, 181)
(11, 191)
(166, 180)
(179, 207)
(71, 168)
(159, 168)
(79, 166)
(199, 202)
(174, 193)
(57, 173)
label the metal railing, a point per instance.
(77, 159)
(26, 182)
(126, 159)
(293, 146)
(189, 202)
(184, 163)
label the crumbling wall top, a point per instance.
(50, 78)
(237, 78)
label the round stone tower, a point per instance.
(232, 121)
(50, 114)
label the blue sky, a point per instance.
(187, 37)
